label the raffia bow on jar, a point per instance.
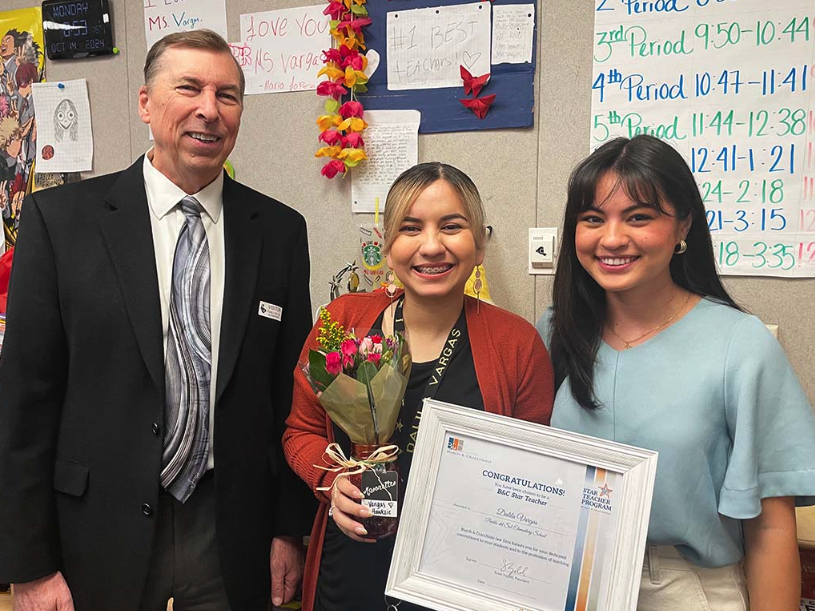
(360, 381)
(353, 466)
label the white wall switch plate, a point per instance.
(542, 244)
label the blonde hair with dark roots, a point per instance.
(9, 130)
(412, 182)
(194, 39)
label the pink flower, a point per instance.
(332, 168)
(348, 362)
(355, 61)
(332, 55)
(335, 8)
(366, 346)
(351, 109)
(374, 358)
(331, 137)
(377, 348)
(353, 141)
(349, 347)
(354, 24)
(333, 363)
(335, 90)
(350, 57)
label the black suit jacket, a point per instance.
(82, 392)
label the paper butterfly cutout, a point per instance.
(480, 106)
(473, 83)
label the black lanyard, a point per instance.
(448, 350)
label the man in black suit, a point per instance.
(138, 301)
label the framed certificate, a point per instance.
(506, 515)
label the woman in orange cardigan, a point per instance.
(435, 237)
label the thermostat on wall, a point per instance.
(77, 28)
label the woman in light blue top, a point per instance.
(650, 350)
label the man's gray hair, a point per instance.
(194, 39)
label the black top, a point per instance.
(353, 575)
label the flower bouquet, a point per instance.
(360, 381)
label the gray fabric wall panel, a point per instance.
(522, 174)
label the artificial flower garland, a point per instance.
(342, 124)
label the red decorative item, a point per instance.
(332, 168)
(473, 84)
(480, 106)
(5, 273)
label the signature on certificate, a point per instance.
(511, 569)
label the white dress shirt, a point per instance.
(166, 221)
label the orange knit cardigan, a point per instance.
(513, 370)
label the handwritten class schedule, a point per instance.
(729, 83)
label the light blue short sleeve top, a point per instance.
(716, 396)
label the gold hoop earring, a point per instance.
(477, 288)
(681, 247)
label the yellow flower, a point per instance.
(354, 77)
(352, 40)
(329, 151)
(328, 121)
(352, 154)
(348, 3)
(348, 42)
(332, 72)
(354, 124)
(331, 333)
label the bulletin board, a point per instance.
(512, 84)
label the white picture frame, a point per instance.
(428, 551)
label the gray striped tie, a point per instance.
(188, 365)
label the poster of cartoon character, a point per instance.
(22, 63)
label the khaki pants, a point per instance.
(669, 582)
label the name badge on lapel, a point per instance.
(270, 310)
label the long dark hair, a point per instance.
(653, 173)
